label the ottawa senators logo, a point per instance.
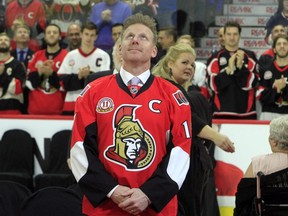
(133, 148)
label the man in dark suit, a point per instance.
(22, 52)
(22, 37)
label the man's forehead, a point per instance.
(277, 28)
(4, 37)
(231, 29)
(134, 28)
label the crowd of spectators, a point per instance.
(221, 79)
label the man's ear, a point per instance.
(154, 52)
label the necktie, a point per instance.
(21, 56)
(134, 85)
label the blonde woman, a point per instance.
(178, 66)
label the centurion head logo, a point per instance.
(133, 148)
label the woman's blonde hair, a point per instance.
(186, 37)
(162, 69)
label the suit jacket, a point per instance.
(29, 55)
(97, 75)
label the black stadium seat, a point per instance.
(17, 157)
(56, 172)
(56, 201)
(12, 195)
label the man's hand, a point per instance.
(280, 84)
(231, 65)
(83, 72)
(239, 59)
(136, 203)
(117, 196)
(223, 142)
(46, 68)
(106, 15)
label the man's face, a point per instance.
(22, 35)
(231, 37)
(276, 31)
(116, 32)
(281, 48)
(88, 37)
(4, 44)
(164, 40)
(73, 36)
(52, 36)
(137, 44)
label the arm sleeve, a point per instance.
(95, 182)
(170, 174)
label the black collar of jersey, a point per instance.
(123, 86)
(51, 56)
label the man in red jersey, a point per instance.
(46, 95)
(31, 11)
(267, 57)
(131, 142)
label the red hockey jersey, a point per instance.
(46, 96)
(140, 142)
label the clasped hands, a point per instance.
(45, 68)
(131, 200)
(235, 61)
(83, 72)
(280, 84)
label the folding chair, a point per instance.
(12, 194)
(56, 172)
(17, 157)
(56, 201)
(272, 194)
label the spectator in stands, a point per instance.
(117, 63)
(116, 31)
(273, 90)
(166, 37)
(46, 96)
(278, 159)
(279, 18)
(104, 15)
(22, 52)
(199, 78)
(178, 66)
(233, 78)
(267, 57)
(32, 11)
(73, 36)
(12, 79)
(33, 43)
(79, 63)
(64, 13)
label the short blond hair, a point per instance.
(139, 18)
